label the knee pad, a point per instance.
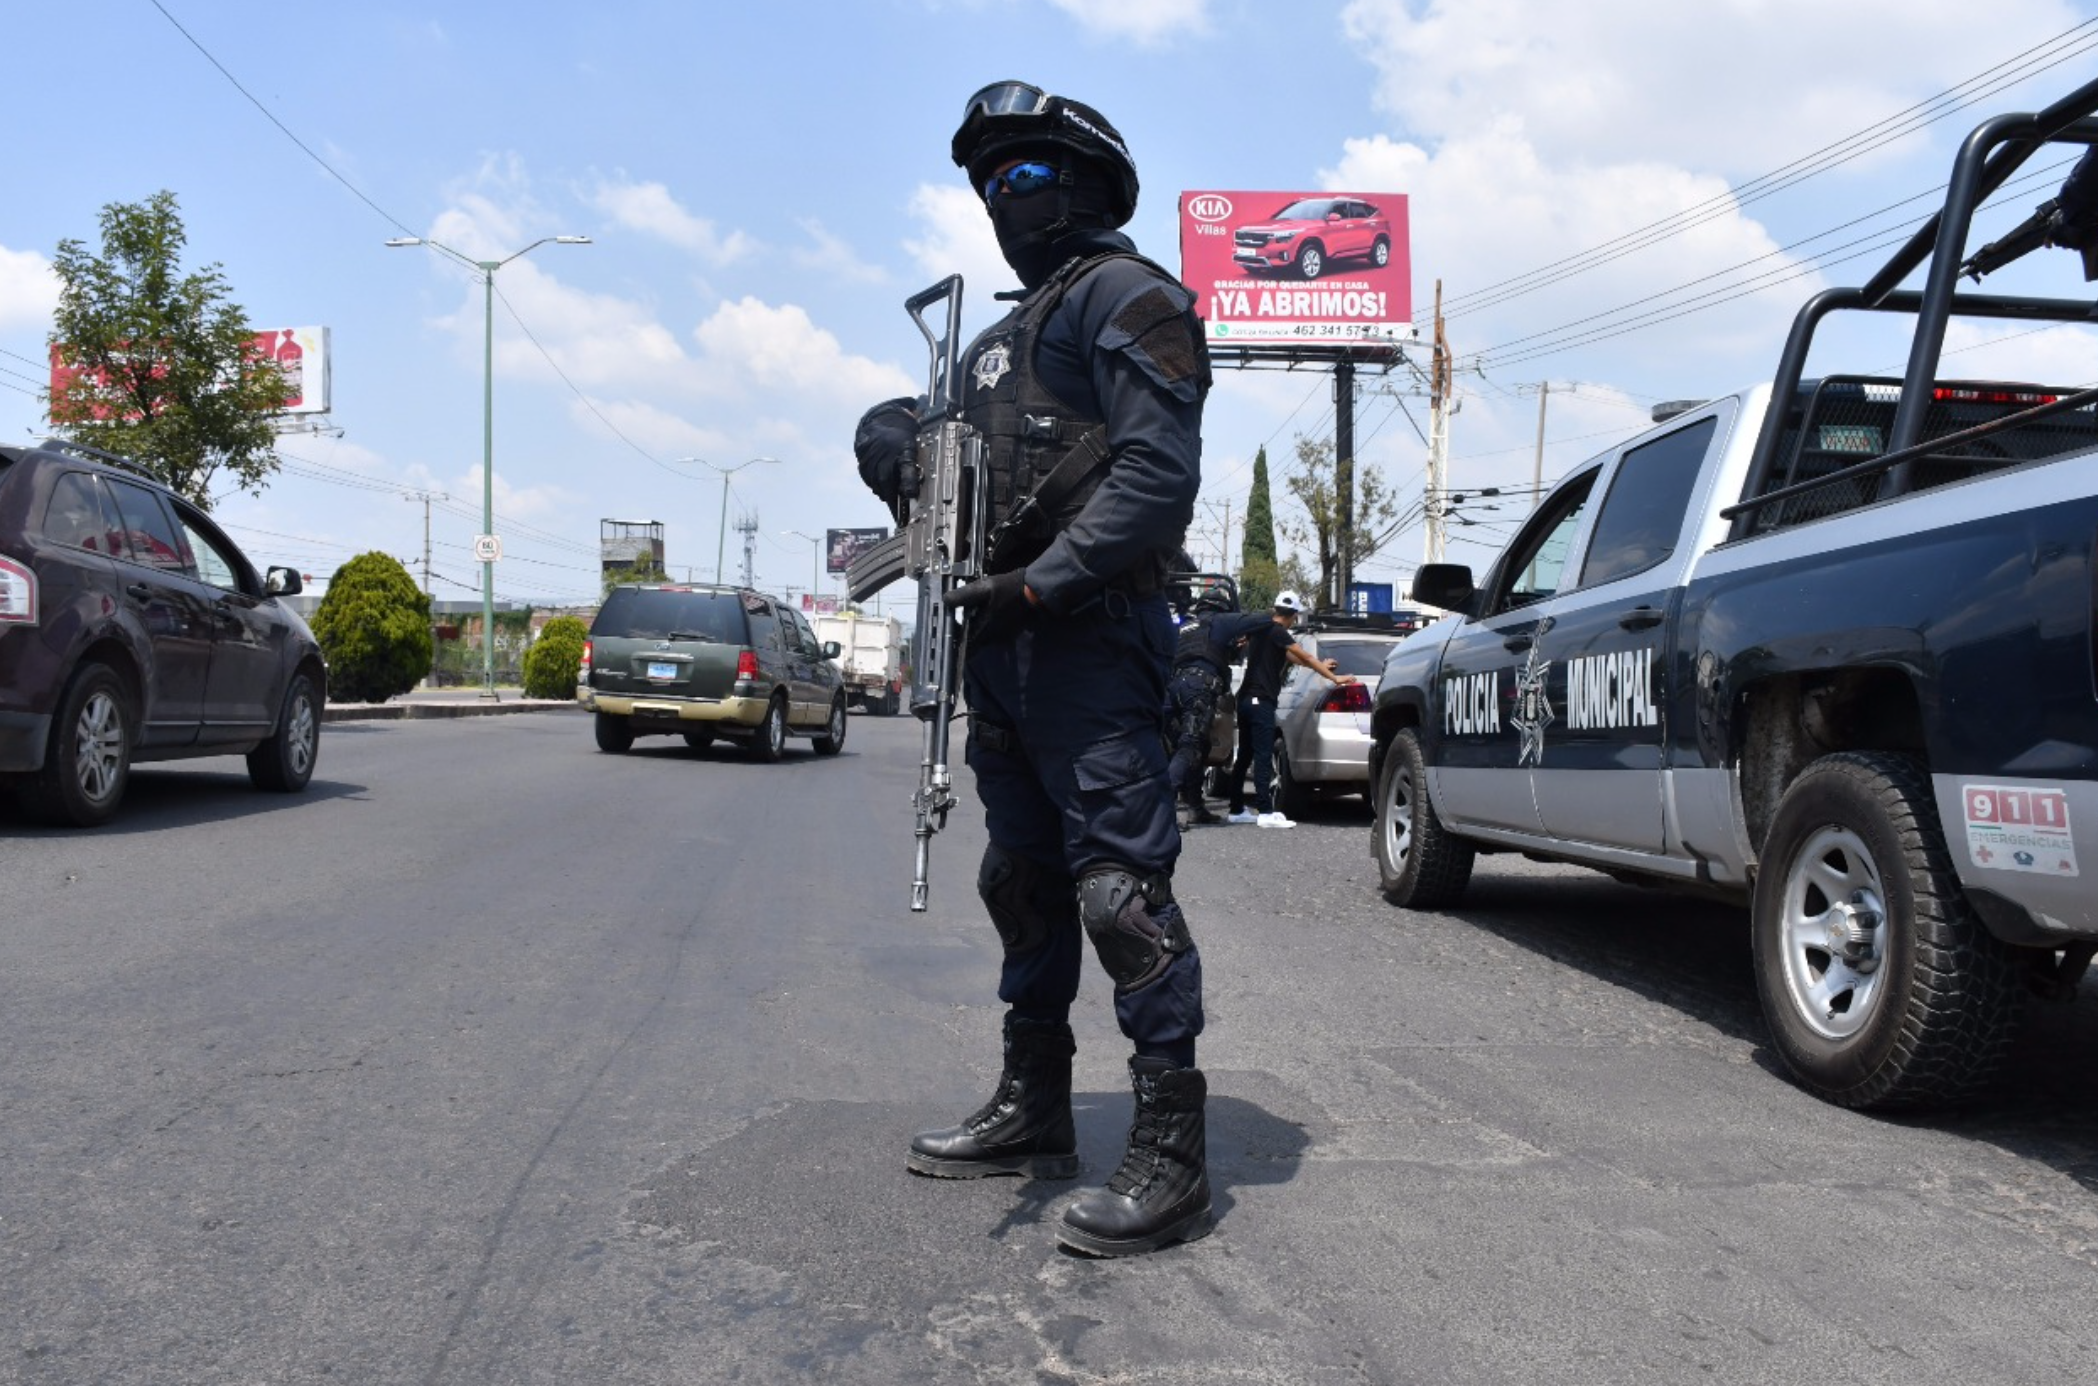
(1135, 926)
(1027, 901)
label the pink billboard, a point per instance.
(1298, 267)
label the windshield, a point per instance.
(658, 613)
(1307, 209)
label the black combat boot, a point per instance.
(1160, 1195)
(1026, 1126)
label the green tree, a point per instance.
(644, 570)
(1312, 485)
(551, 664)
(1259, 577)
(374, 627)
(163, 366)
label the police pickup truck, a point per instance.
(1825, 646)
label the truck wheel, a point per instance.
(615, 735)
(769, 741)
(284, 763)
(1880, 985)
(89, 760)
(1419, 864)
(832, 739)
(1292, 795)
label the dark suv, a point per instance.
(705, 662)
(131, 630)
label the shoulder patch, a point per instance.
(1154, 328)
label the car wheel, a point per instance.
(89, 761)
(1292, 795)
(769, 741)
(1380, 253)
(1419, 864)
(615, 735)
(284, 763)
(1311, 261)
(699, 740)
(1880, 985)
(832, 740)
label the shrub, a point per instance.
(374, 627)
(550, 666)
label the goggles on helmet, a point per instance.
(1019, 180)
(1006, 98)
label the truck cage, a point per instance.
(1815, 427)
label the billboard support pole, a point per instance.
(1344, 479)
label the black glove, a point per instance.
(885, 434)
(997, 604)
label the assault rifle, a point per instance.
(940, 542)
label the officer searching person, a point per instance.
(1100, 364)
(1267, 650)
(1209, 643)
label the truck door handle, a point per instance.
(1640, 618)
(141, 591)
(1516, 644)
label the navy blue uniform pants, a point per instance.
(1084, 784)
(1191, 701)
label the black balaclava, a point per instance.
(1031, 229)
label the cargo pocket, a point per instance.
(1124, 808)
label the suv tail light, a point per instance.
(1349, 697)
(17, 593)
(583, 674)
(747, 667)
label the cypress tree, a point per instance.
(1259, 578)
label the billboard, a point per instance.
(1306, 268)
(844, 545)
(301, 353)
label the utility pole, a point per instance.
(1439, 411)
(748, 528)
(1343, 480)
(1544, 392)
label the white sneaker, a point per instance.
(1274, 820)
(1243, 816)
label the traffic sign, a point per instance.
(487, 548)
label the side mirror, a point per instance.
(1447, 585)
(832, 649)
(282, 582)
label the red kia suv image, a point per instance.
(1309, 234)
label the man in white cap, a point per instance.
(1267, 651)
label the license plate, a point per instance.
(662, 671)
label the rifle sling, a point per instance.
(1088, 455)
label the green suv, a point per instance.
(703, 662)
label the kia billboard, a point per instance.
(1298, 267)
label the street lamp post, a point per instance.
(815, 550)
(485, 541)
(721, 536)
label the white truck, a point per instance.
(871, 654)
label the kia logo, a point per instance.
(1209, 207)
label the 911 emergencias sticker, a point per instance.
(2011, 828)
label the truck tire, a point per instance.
(284, 763)
(1880, 985)
(615, 735)
(831, 739)
(768, 740)
(1419, 864)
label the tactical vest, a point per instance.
(1029, 433)
(1193, 646)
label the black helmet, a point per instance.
(1215, 600)
(1013, 116)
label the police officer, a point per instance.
(1089, 397)
(1209, 642)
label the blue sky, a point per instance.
(764, 185)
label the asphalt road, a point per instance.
(494, 1059)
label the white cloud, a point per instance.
(834, 256)
(957, 239)
(649, 208)
(1143, 22)
(28, 289)
(780, 348)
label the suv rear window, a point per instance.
(657, 613)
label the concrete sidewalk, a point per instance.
(445, 702)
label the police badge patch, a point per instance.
(991, 367)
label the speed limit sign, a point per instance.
(487, 548)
